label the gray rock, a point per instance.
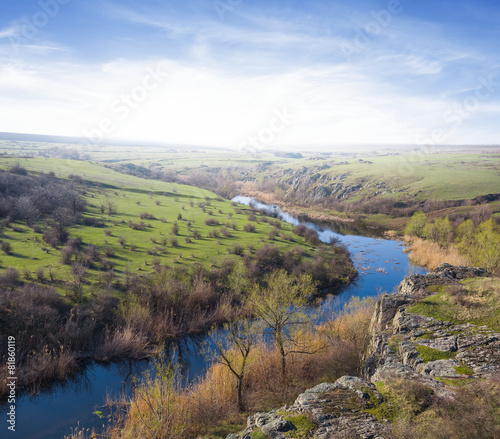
(440, 368)
(277, 426)
(443, 344)
(339, 409)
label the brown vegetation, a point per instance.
(161, 408)
(472, 413)
(430, 254)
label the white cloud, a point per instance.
(208, 106)
(9, 31)
(231, 81)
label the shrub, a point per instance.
(109, 252)
(268, 257)
(273, 234)
(236, 249)
(67, 254)
(214, 233)
(211, 222)
(6, 247)
(10, 277)
(249, 227)
(27, 274)
(417, 225)
(137, 226)
(196, 234)
(40, 274)
(146, 215)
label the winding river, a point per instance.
(382, 265)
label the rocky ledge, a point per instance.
(328, 410)
(341, 409)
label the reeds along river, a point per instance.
(382, 265)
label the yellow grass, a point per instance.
(161, 408)
(430, 254)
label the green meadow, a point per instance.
(143, 224)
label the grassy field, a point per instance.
(449, 174)
(208, 227)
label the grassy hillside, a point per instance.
(138, 234)
(108, 265)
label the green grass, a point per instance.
(165, 202)
(225, 428)
(456, 382)
(402, 399)
(303, 425)
(464, 370)
(480, 304)
(449, 175)
(428, 354)
(257, 434)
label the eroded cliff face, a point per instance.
(398, 338)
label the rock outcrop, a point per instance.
(334, 410)
(341, 409)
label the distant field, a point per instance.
(304, 183)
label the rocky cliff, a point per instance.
(405, 345)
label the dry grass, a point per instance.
(161, 408)
(124, 343)
(473, 413)
(47, 366)
(430, 254)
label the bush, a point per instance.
(211, 222)
(146, 215)
(6, 247)
(10, 277)
(268, 258)
(226, 233)
(196, 234)
(137, 226)
(40, 274)
(417, 225)
(109, 252)
(237, 249)
(249, 227)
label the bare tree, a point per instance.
(110, 207)
(233, 347)
(26, 209)
(62, 219)
(281, 306)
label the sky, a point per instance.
(253, 73)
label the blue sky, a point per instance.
(221, 72)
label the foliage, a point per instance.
(417, 225)
(280, 304)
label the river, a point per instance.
(382, 265)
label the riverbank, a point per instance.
(384, 266)
(429, 372)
